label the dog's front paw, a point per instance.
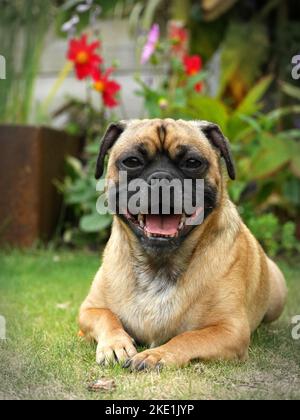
(115, 347)
(154, 359)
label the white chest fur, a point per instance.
(152, 315)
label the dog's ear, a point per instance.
(110, 137)
(219, 141)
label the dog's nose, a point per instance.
(159, 176)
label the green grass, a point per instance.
(42, 358)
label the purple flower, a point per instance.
(149, 49)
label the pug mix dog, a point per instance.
(186, 291)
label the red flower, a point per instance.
(192, 64)
(84, 56)
(179, 37)
(199, 87)
(107, 88)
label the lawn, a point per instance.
(43, 358)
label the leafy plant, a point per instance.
(86, 118)
(81, 222)
(183, 75)
(274, 236)
(17, 20)
(80, 195)
(238, 72)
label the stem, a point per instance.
(88, 94)
(180, 10)
(267, 9)
(123, 108)
(57, 85)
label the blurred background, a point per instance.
(69, 68)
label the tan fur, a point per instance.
(226, 285)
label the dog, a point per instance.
(186, 292)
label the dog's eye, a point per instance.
(132, 163)
(193, 163)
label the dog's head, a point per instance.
(159, 152)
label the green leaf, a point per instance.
(251, 104)
(209, 109)
(295, 161)
(236, 189)
(244, 51)
(151, 7)
(81, 192)
(253, 123)
(180, 97)
(290, 90)
(95, 223)
(93, 148)
(192, 81)
(74, 166)
(279, 113)
(291, 134)
(248, 107)
(291, 190)
(273, 154)
(134, 17)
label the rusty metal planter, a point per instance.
(31, 159)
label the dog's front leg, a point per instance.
(114, 344)
(219, 342)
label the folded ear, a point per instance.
(219, 141)
(110, 137)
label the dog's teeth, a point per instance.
(141, 220)
(182, 222)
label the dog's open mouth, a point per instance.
(168, 226)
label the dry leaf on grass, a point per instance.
(102, 385)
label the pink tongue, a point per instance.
(162, 224)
